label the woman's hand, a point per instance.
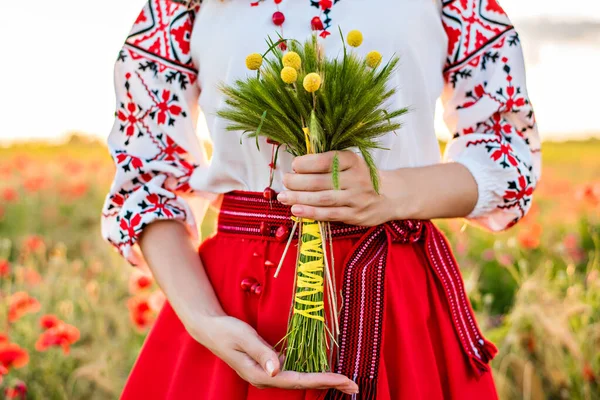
(311, 193)
(238, 345)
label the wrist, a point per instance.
(204, 328)
(400, 199)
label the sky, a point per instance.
(58, 57)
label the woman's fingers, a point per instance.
(299, 381)
(257, 363)
(323, 198)
(295, 380)
(345, 214)
(260, 352)
(315, 182)
(323, 162)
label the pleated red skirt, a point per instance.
(428, 346)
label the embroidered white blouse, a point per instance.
(178, 52)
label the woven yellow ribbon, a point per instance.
(311, 263)
(310, 271)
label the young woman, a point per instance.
(407, 329)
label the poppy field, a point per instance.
(73, 314)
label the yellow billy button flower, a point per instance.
(355, 38)
(312, 82)
(254, 61)
(289, 75)
(373, 59)
(292, 59)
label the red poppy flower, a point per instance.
(3, 338)
(529, 238)
(9, 195)
(61, 335)
(20, 304)
(74, 191)
(5, 170)
(140, 312)
(34, 184)
(73, 167)
(49, 321)
(588, 373)
(33, 243)
(31, 276)
(17, 391)
(139, 281)
(590, 194)
(4, 268)
(13, 356)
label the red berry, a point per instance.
(269, 194)
(283, 46)
(278, 18)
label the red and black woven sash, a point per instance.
(361, 317)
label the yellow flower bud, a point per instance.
(292, 59)
(254, 61)
(355, 38)
(373, 59)
(289, 75)
(312, 82)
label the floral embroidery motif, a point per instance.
(157, 83)
(325, 6)
(484, 69)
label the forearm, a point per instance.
(438, 191)
(179, 272)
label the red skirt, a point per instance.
(407, 329)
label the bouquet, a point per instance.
(309, 103)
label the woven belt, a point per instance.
(361, 317)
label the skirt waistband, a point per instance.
(251, 214)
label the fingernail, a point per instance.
(296, 210)
(352, 388)
(270, 367)
(282, 197)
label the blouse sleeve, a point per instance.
(153, 142)
(488, 111)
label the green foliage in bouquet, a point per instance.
(312, 104)
(347, 111)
